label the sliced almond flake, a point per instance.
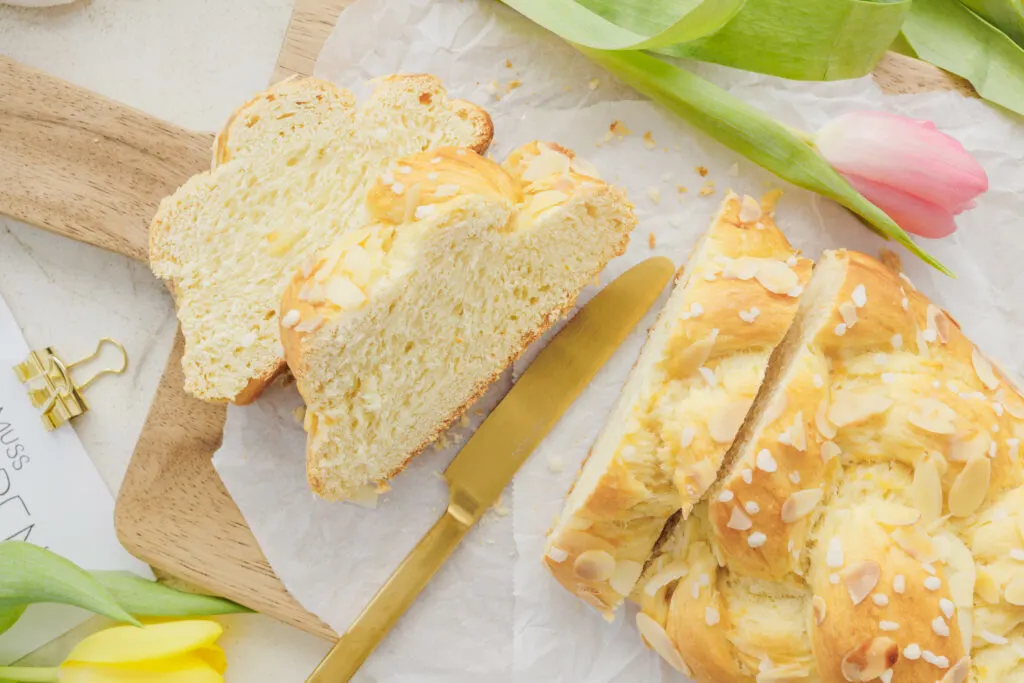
(965, 620)
(581, 166)
(860, 579)
(840, 329)
(290, 319)
(556, 554)
(687, 361)
(986, 587)
(776, 276)
(848, 312)
(702, 473)
(938, 322)
(970, 487)
(625, 576)
(984, 370)
(743, 268)
(933, 416)
(926, 490)
(834, 554)
(750, 210)
(671, 573)
(725, 423)
(709, 376)
(820, 608)
(756, 539)
(993, 638)
(655, 637)
(962, 449)
(830, 450)
(800, 504)
(1014, 592)
(594, 565)
(896, 515)
(344, 293)
(853, 407)
(915, 543)
(870, 659)
(959, 672)
(739, 520)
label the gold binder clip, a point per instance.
(51, 387)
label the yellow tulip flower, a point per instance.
(170, 652)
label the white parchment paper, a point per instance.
(493, 613)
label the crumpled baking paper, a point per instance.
(493, 613)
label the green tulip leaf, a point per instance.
(750, 132)
(32, 574)
(619, 25)
(144, 598)
(1006, 15)
(950, 36)
(9, 617)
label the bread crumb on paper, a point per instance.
(508, 64)
(682, 189)
(708, 189)
(594, 84)
(649, 140)
(703, 171)
(652, 241)
(654, 194)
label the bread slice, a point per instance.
(395, 329)
(682, 405)
(291, 170)
(868, 513)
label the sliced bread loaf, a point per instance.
(396, 328)
(291, 170)
(682, 404)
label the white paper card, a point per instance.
(494, 612)
(50, 495)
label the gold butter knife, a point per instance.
(486, 464)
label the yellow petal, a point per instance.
(134, 644)
(188, 668)
(214, 656)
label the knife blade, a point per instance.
(489, 460)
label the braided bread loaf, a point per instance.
(682, 405)
(868, 521)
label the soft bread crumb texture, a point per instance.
(682, 405)
(394, 330)
(291, 170)
(868, 523)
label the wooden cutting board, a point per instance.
(95, 170)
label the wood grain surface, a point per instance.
(173, 510)
(66, 157)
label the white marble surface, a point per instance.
(189, 62)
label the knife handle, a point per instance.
(391, 601)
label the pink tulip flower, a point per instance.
(918, 175)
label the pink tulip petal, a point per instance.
(911, 213)
(907, 154)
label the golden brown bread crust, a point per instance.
(623, 515)
(431, 178)
(904, 565)
(306, 101)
